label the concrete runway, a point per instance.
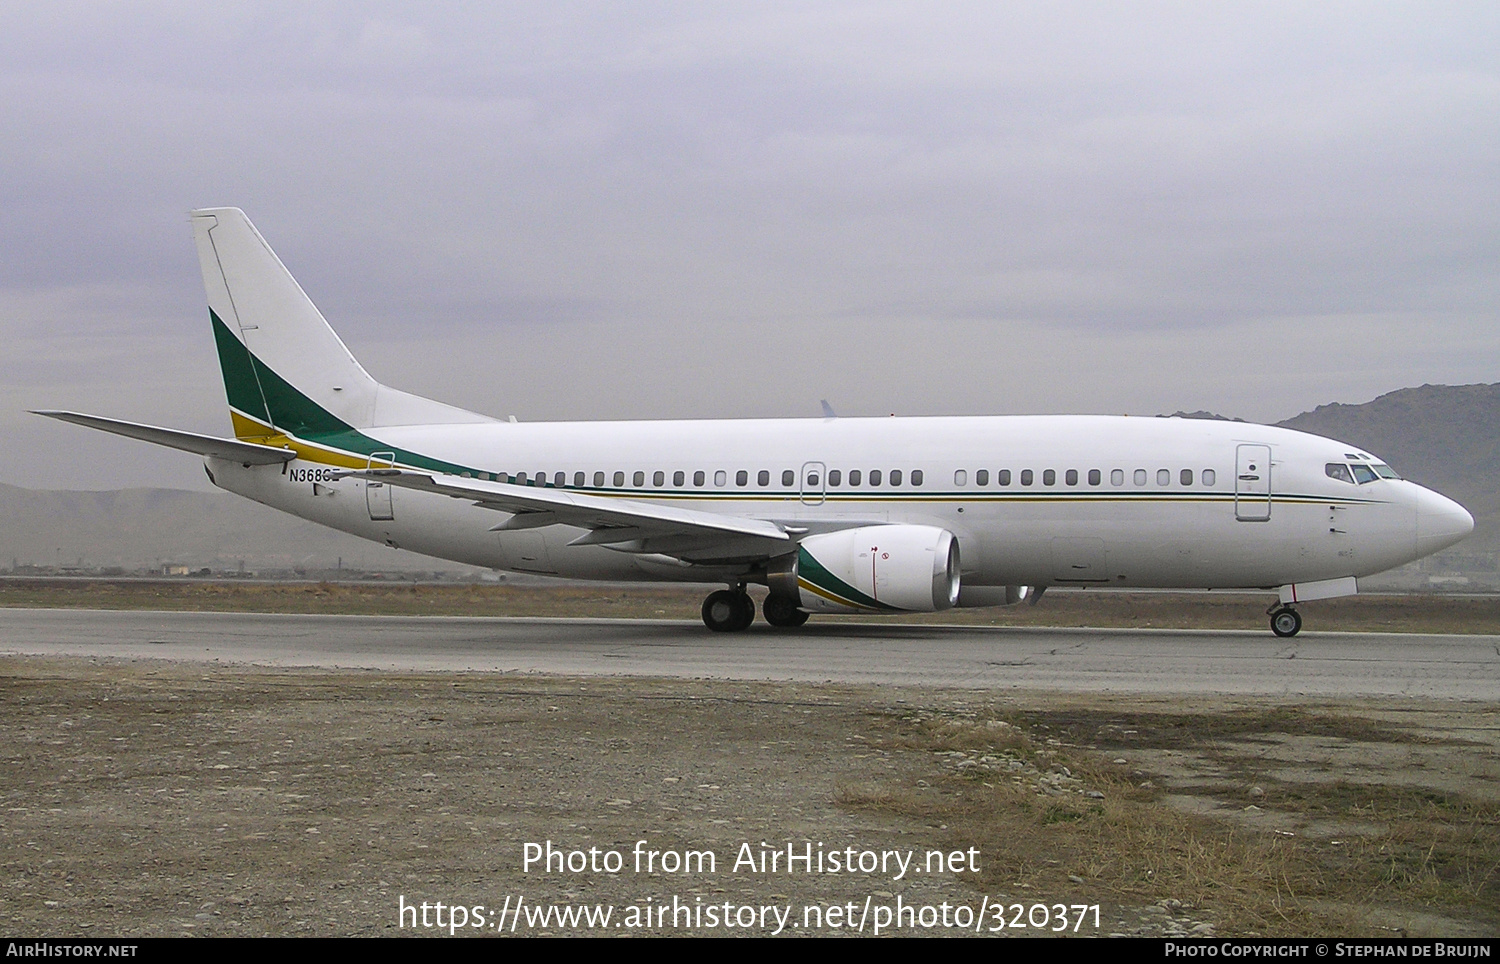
(1087, 660)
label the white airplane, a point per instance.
(833, 515)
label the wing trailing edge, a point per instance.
(612, 522)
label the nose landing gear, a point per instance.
(1285, 621)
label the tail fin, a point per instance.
(285, 370)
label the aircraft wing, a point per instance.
(632, 525)
(247, 453)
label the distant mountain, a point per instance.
(1211, 416)
(139, 528)
(1446, 437)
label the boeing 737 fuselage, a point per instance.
(833, 515)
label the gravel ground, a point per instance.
(152, 798)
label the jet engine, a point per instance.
(872, 569)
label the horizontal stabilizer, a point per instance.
(247, 453)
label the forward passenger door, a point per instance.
(1252, 483)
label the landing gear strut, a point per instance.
(783, 613)
(1286, 621)
(728, 611)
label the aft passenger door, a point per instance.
(378, 494)
(1252, 483)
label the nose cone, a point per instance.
(1440, 522)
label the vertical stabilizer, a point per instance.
(284, 367)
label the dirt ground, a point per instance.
(151, 798)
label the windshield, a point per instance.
(1358, 473)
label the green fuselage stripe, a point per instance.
(812, 570)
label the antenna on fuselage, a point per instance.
(828, 411)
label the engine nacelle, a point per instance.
(872, 569)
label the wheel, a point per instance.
(1286, 622)
(727, 611)
(745, 607)
(780, 612)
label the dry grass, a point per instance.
(1106, 830)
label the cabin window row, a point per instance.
(788, 478)
(1094, 477)
(853, 478)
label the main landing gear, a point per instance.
(732, 610)
(782, 613)
(728, 611)
(1285, 621)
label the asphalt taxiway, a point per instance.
(1078, 660)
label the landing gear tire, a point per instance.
(1286, 622)
(781, 613)
(727, 611)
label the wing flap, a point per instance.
(610, 520)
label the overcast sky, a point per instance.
(578, 210)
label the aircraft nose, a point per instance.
(1440, 522)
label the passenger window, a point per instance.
(698, 478)
(599, 479)
(1005, 476)
(982, 477)
(834, 477)
(520, 478)
(1140, 477)
(1163, 476)
(874, 476)
(960, 477)
(812, 480)
(1071, 477)
(541, 478)
(638, 479)
(658, 478)
(763, 477)
(721, 478)
(1049, 477)
(742, 477)
(895, 476)
(678, 478)
(578, 480)
(1209, 477)
(1026, 476)
(789, 478)
(619, 480)
(1094, 477)
(1186, 477)
(1116, 476)
(560, 479)
(916, 476)
(854, 476)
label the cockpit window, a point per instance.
(1385, 471)
(1363, 473)
(1340, 471)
